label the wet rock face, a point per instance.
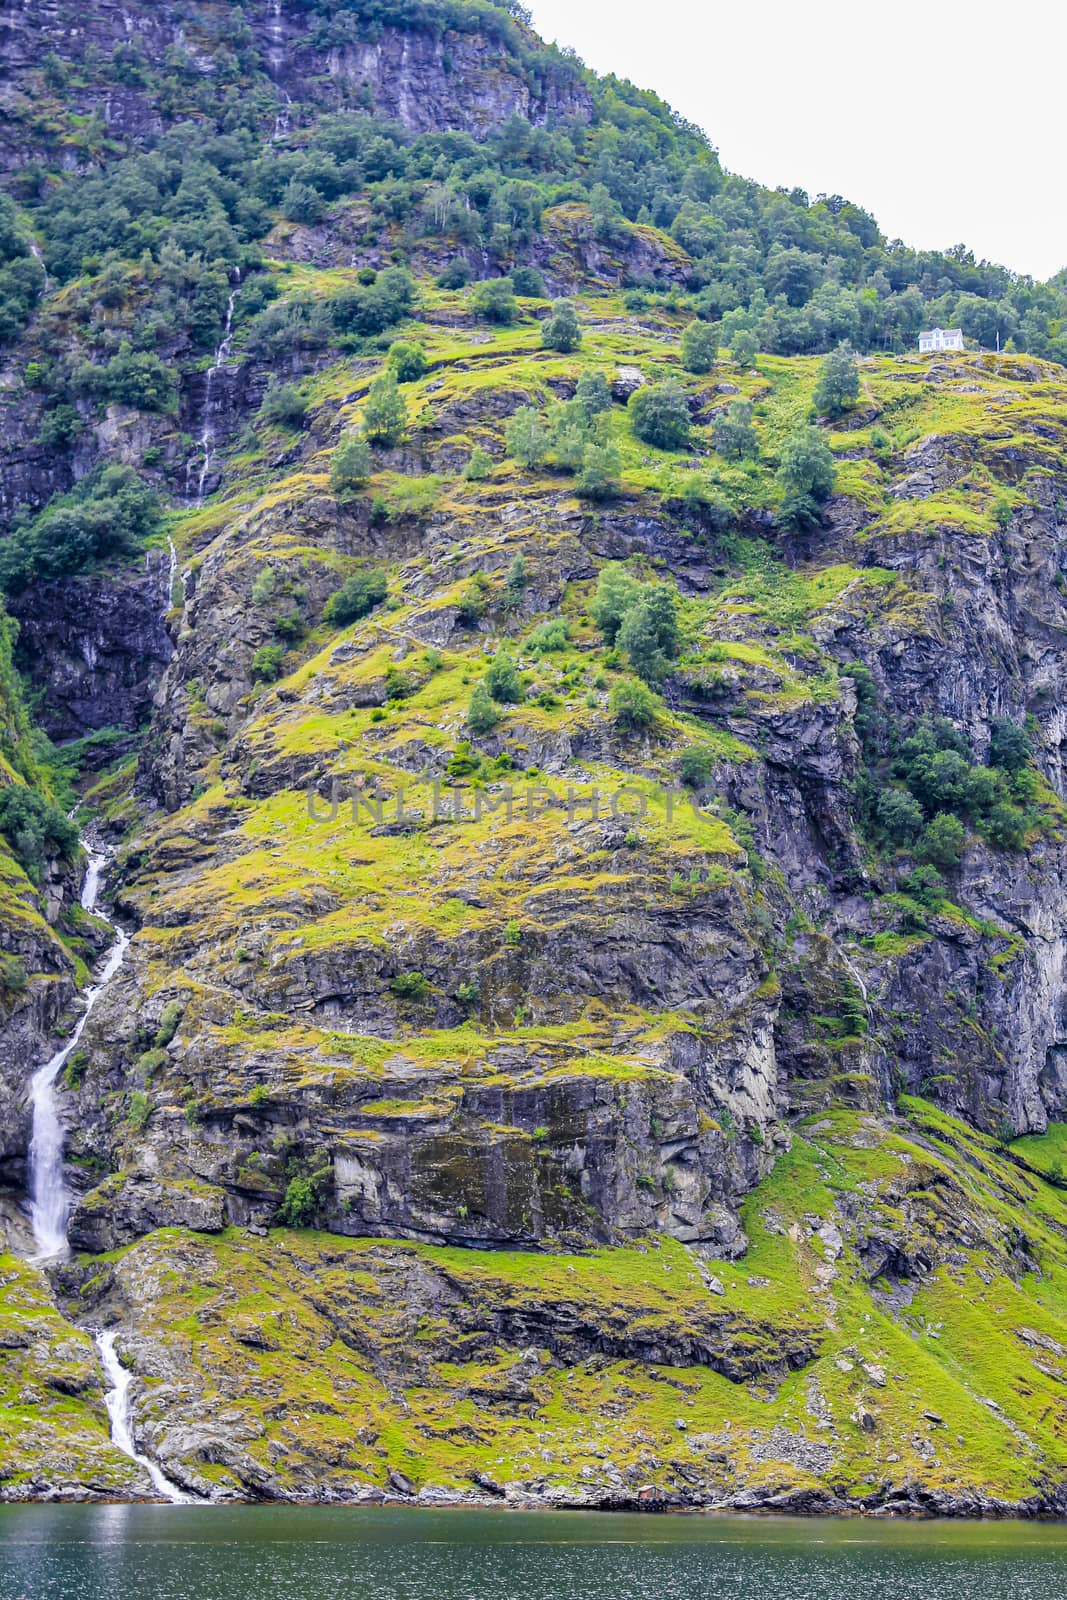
(96, 647)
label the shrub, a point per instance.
(350, 466)
(942, 841)
(600, 474)
(807, 464)
(478, 467)
(1006, 826)
(593, 393)
(494, 301)
(264, 585)
(561, 331)
(529, 282)
(13, 981)
(298, 1208)
(267, 662)
(512, 933)
(1009, 745)
(35, 828)
(700, 346)
(502, 680)
(357, 597)
(900, 815)
(385, 416)
(659, 414)
(744, 347)
(649, 632)
(550, 636)
(482, 714)
(407, 360)
(168, 1024)
(617, 590)
(927, 886)
(139, 1109)
(283, 405)
(110, 514)
(695, 766)
(410, 986)
(473, 601)
(632, 704)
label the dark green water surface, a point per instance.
(304, 1553)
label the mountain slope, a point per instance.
(596, 876)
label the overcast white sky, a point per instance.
(944, 119)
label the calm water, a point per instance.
(304, 1553)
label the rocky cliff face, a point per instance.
(485, 1078)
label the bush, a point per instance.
(407, 360)
(600, 474)
(744, 347)
(168, 1024)
(267, 662)
(478, 467)
(616, 591)
(549, 637)
(649, 633)
(899, 815)
(700, 346)
(110, 514)
(528, 281)
(942, 841)
(139, 1109)
(283, 405)
(410, 986)
(1006, 826)
(927, 886)
(494, 301)
(385, 416)
(350, 466)
(473, 602)
(13, 981)
(298, 1208)
(659, 415)
(482, 713)
(561, 331)
(357, 597)
(632, 704)
(807, 464)
(137, 378)
(593, 393)
(695, 766)
(502, 680)
(1009, 745)
(35, 829)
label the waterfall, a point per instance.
(117, 1401)
(49, 1197)
(222, 355)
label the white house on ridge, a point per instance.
(941, 339)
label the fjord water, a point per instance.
(120, 1552)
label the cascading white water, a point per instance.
(222, 355)
(117, 1401)
(49, 1197)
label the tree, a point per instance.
(529, 282)
(385, 416)
(659, 414)
(838, 385)
(515, 584)
(283, 405)
(267, 662)
(744, 347)
(357, 597)
(502, 680)
(482, 713)
(1006, 826)
(733, 434)
(807, 464)
(526, 435)
(700, 346)
(35, 828)
(298, 1208)
(632, 704)
(407, 360)
(494, 300)
(1009, 745)
(942, 841)
(561, 331)
(349, 466)
(593, 393)
(649, 632)
(600, 475)
(900, 815)
(616, 591)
